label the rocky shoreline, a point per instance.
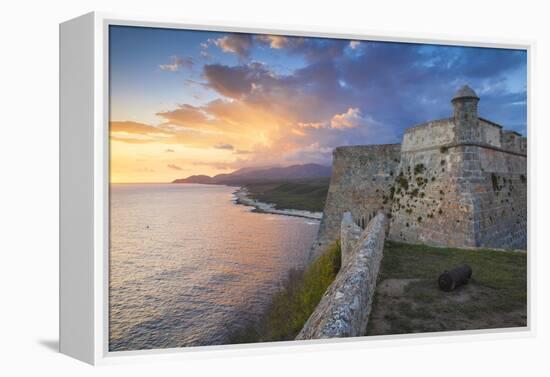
(241, 197)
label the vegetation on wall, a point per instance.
(409, 192)
(494, 181)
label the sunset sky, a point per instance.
(189, 102)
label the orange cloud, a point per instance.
(239, 44)
(274, 41)
(349, 119)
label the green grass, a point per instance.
(495, 297)
(291, 307)
(304, 194)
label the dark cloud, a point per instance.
(310, 94)
(484, 63)
(406, 84)
(233, 82)
(237, 81)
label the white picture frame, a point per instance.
(84, 180)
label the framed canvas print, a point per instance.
(224, 186)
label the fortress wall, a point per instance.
(459, 182)
(428, 135)
(491, 133)
(465, 196)
(361, 180)
(500, 217)
(514, 142)
(346, 305)
(431, 205)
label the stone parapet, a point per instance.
(344, 309)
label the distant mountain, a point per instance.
(205, 179)
(249, 175)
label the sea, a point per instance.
(190, 267)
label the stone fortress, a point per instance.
(457, 182)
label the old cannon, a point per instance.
(454, 278)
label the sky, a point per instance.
(186, 102)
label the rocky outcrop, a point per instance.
(344, 309)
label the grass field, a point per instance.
(408, 299)
(306, 195)
(291, 307)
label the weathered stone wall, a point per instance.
(500, 199)
(514, 142)
(461, 182)
(491, 133)
(344, 309)
(360, 182)
(469, 194)
(429, 204)
(428, 135)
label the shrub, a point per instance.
(494, 180)
(403, 182)
(419, 169)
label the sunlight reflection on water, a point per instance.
(187, 264)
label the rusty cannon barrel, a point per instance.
(454, 278)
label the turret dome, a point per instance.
(465, 92)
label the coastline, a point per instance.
(241, 197)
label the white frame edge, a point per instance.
(76, 212)
(84, 215)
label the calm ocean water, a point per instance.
(188, 266)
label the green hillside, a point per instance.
(304, 194)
